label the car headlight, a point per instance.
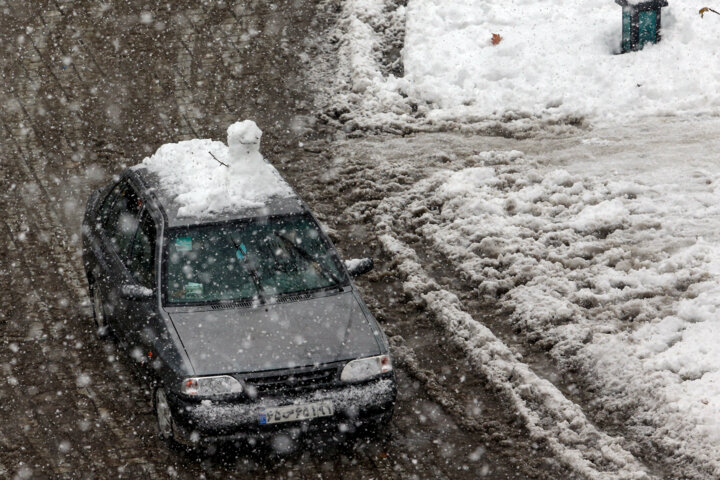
(366, 368)
(211, 386)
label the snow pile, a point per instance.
(607, 271)
(363, 82)
(207, 178)
(556, 61)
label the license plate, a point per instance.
(294, 413)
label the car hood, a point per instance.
(283, 335)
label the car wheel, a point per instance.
(384, 421)
(164, 416)
(101, 327)
(380, 427)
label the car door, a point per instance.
(142, 326)
(119, 226)
(102, 252)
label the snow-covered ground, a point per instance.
(556, 62)
(556, 58)
(604, 248)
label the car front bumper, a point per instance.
(354, 406)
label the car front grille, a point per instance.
(293, 382)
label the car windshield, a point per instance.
(248, 260)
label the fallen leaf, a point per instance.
(496, 38)
(704, 10)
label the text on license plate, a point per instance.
(293, 413)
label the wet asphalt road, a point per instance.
(88, 88)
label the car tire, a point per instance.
(383, 423)
(163, 415)
(379, 428)
(101, 327)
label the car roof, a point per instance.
(151, 186)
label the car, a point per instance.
(219, 283)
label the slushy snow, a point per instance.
(207, 178)
(611, 266)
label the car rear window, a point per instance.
(248, 260)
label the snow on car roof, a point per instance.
(206, 179)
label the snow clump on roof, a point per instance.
(207, 178)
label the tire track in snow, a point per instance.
(547, 413)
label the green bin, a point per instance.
(641, 22)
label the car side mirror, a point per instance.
(359, 266)
(135, 292)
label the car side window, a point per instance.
(121, 221)
(142, 259)
(106, 206)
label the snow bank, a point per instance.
(556, 61)
(208, 178)
(363, 92)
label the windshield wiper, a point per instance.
(253, 271)
(303, 253)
